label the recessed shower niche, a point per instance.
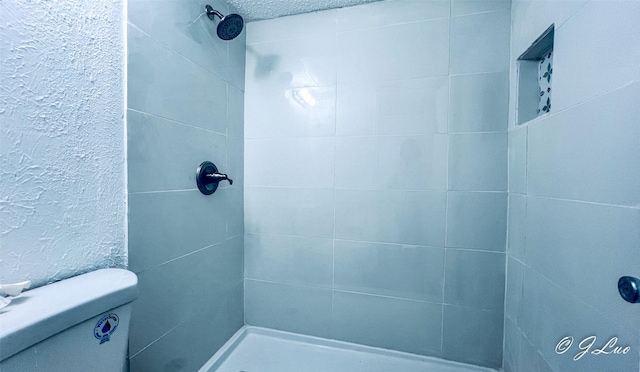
(535, 68)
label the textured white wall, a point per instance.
(62, 161)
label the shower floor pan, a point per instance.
(255, 349)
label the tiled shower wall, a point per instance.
(574, 186)
(185, 105)
(376, 175)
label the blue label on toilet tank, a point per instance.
(105, 327)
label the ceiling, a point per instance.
(254, 10)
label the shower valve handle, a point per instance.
(217, 177)
(208, 178)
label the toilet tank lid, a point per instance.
(42, 312)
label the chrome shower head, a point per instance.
(229, 27)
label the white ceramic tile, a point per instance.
(290, 162)
(157, 236)
(406, 271)
(403, 51)
(478, 162)
(235, 162)
(176, 25)
(392, 162)
(513, 289)
(235, 112)
(595, 245)
(286, 211)
(300, 26)
(164, 155)
(182, 287)
(391, 12)
(164, 83)
(551, 313)
(288, 308)
(289, 259)
(518, 160)
(534, 17)
(416, 106)
(472, 336)
(479, 102)
(406, 217)
(462, 7)
(236, 58)
(518, 351)
(591, 61)
(234, 205)
(277, 113)
(513, 75)
(227, 266)
(474, 279)
(208, 330)
(589, 152)
(517, 226)
(477, 220)
(390, 323)
(511, 359)
(480, 42)
(287, 64)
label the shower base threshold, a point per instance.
(256, 349)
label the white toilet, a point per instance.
(77, 324)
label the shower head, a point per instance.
(229, 27)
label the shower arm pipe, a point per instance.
(212, 12)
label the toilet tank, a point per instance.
(77, 324)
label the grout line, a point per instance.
(350, 240)
(543, 118)
(181, 257)
(473, 250)
(380, 83)
(400, 245)
(507, 71)
(446, 203)
(156, 340)
(524, 335)
(635, 207)
(392, 25)
(349, 136)
(319, 288)
(260, 91)
(526, 161)
(324, 34)
(175, 121)
(503, 131)
(433, 191)
(476, 192)
(335, 151)
(387, 296)
(346, 291)
(474, 308)
(573, 15)
(482, 12)
(244, 300)
(566, 292)
(161, 191)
